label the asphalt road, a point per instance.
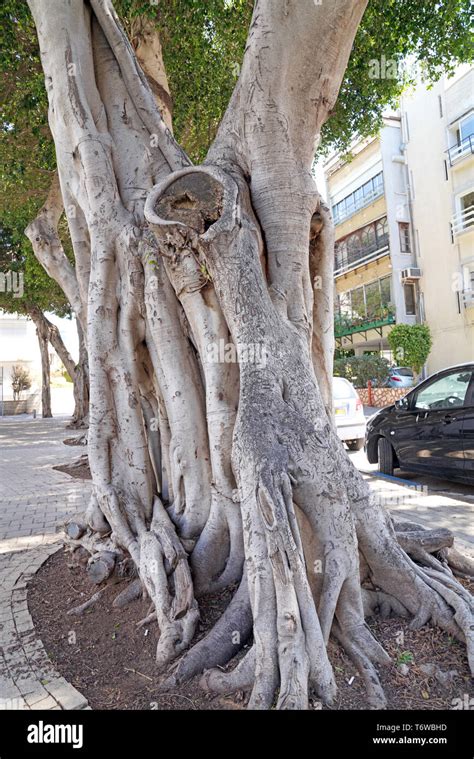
(446, 488)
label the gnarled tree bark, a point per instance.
(207, 471)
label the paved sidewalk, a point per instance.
(34, 501)
(430, 510)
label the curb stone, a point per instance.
(28, 679)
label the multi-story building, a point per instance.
(375, 267)
(438, 127)
(403, 209)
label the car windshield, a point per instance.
(341, 388)
(404, 372)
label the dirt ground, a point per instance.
(111, 661)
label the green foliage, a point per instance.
(410, 344)
(16, 255)
(437, 35)
(204, 43)
(405, 657)
(360, 369)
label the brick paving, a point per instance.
(35, 501)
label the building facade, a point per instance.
(438, 127)
(375, 265)
(403, 209)
(19, 347)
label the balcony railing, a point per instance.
(352, 206)
(346, 325)
(463, 221)
(348, 260)
(464, 148)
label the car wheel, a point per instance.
(355, 445)
(385, 456)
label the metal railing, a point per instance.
(463, 221)
(344, 262)
(345, 325)
(464, 148)
(353, 206)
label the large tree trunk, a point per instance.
(42, 332)
(208, 471)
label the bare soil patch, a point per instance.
(111, 661)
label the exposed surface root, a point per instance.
(132, 592)
(240, 678)
(177, 613)
(221, 643)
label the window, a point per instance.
(386, 290)
(466, 126)
(358, 302)
(404, 230)
(353, 244)
(381, 228)
(373, 300)
(368, 237)
(341, 389)
(410, 299)
(345, 304)
(448, 392)
(465, 219)
(361, 197)
(467, 201)
(364, 244)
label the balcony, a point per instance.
(346, 326)
(463, 221)
(460, 151)
(360, 198)
(348, 260)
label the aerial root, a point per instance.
(364, 651)
(460, 605)
(78, 611)
(221, 643)
(177, 613)
(386, 605)
(132, 592)
(242, 677)
(291, 652)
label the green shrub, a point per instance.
(360, 369)
(410, 345)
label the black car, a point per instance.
(430, 430)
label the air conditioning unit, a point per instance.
(410, 275)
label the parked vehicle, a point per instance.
(430, 430)
(400, 376)
(349, 414)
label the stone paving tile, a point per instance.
(35, 501)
